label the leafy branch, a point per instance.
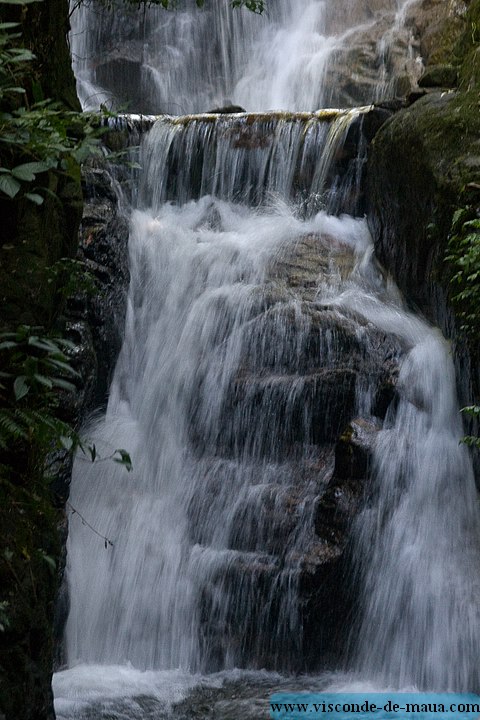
(472, 440)
(464, 260)
(464, 257)
(37, 369)
(40, 138)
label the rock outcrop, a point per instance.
(292, 405)
(424, 164)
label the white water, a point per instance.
(229, 417)
(200, 526)
(300, 55)
(211, 482)
(418, 539)
(253, 158)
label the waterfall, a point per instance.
(260, 334)
(249, 158)
(418, 538)
(298, 56)
(231, 386)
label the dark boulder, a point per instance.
(228, 109)
(439, 76)
(101, 309)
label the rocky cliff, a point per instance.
(424, 165)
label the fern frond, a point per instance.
(10, 426)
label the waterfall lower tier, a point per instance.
(252, 339)
(232, 386)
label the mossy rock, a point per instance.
(420, 163)
(440, 76)
(468, 49)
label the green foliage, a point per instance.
(472, 440)
(71, 276)
(256, 6)
(35, 369)
(39, 138)
(464, 257)
(36, 374)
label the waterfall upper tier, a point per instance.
(299, 55)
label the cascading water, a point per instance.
(258, 327)
(418, 538)
(299, 56)
(215, 394)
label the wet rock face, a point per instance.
(439, 76)
(290, 414)
(423, 164)
(420, 161)
(380, 62)
(328, 596)
(96, 315)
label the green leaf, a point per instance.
(66, 442)
(9, 185)
(28, 172)
(458, 215)
(7, 344)
(42, 344)
(64, 384)
(475, 224)
(473, 410)
(45, 381)
(23, 172)
(124, 459)
(63, 342)
(21, 55)
(48, 559)
(35, 198)
(54, 363)
(20, 387)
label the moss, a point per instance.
(444, 41)
(439, 76)
(468, 49)
(423, 159)
(424, 164)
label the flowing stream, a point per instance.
(259, 325)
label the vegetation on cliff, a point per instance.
(424, 191)
(40, 202)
